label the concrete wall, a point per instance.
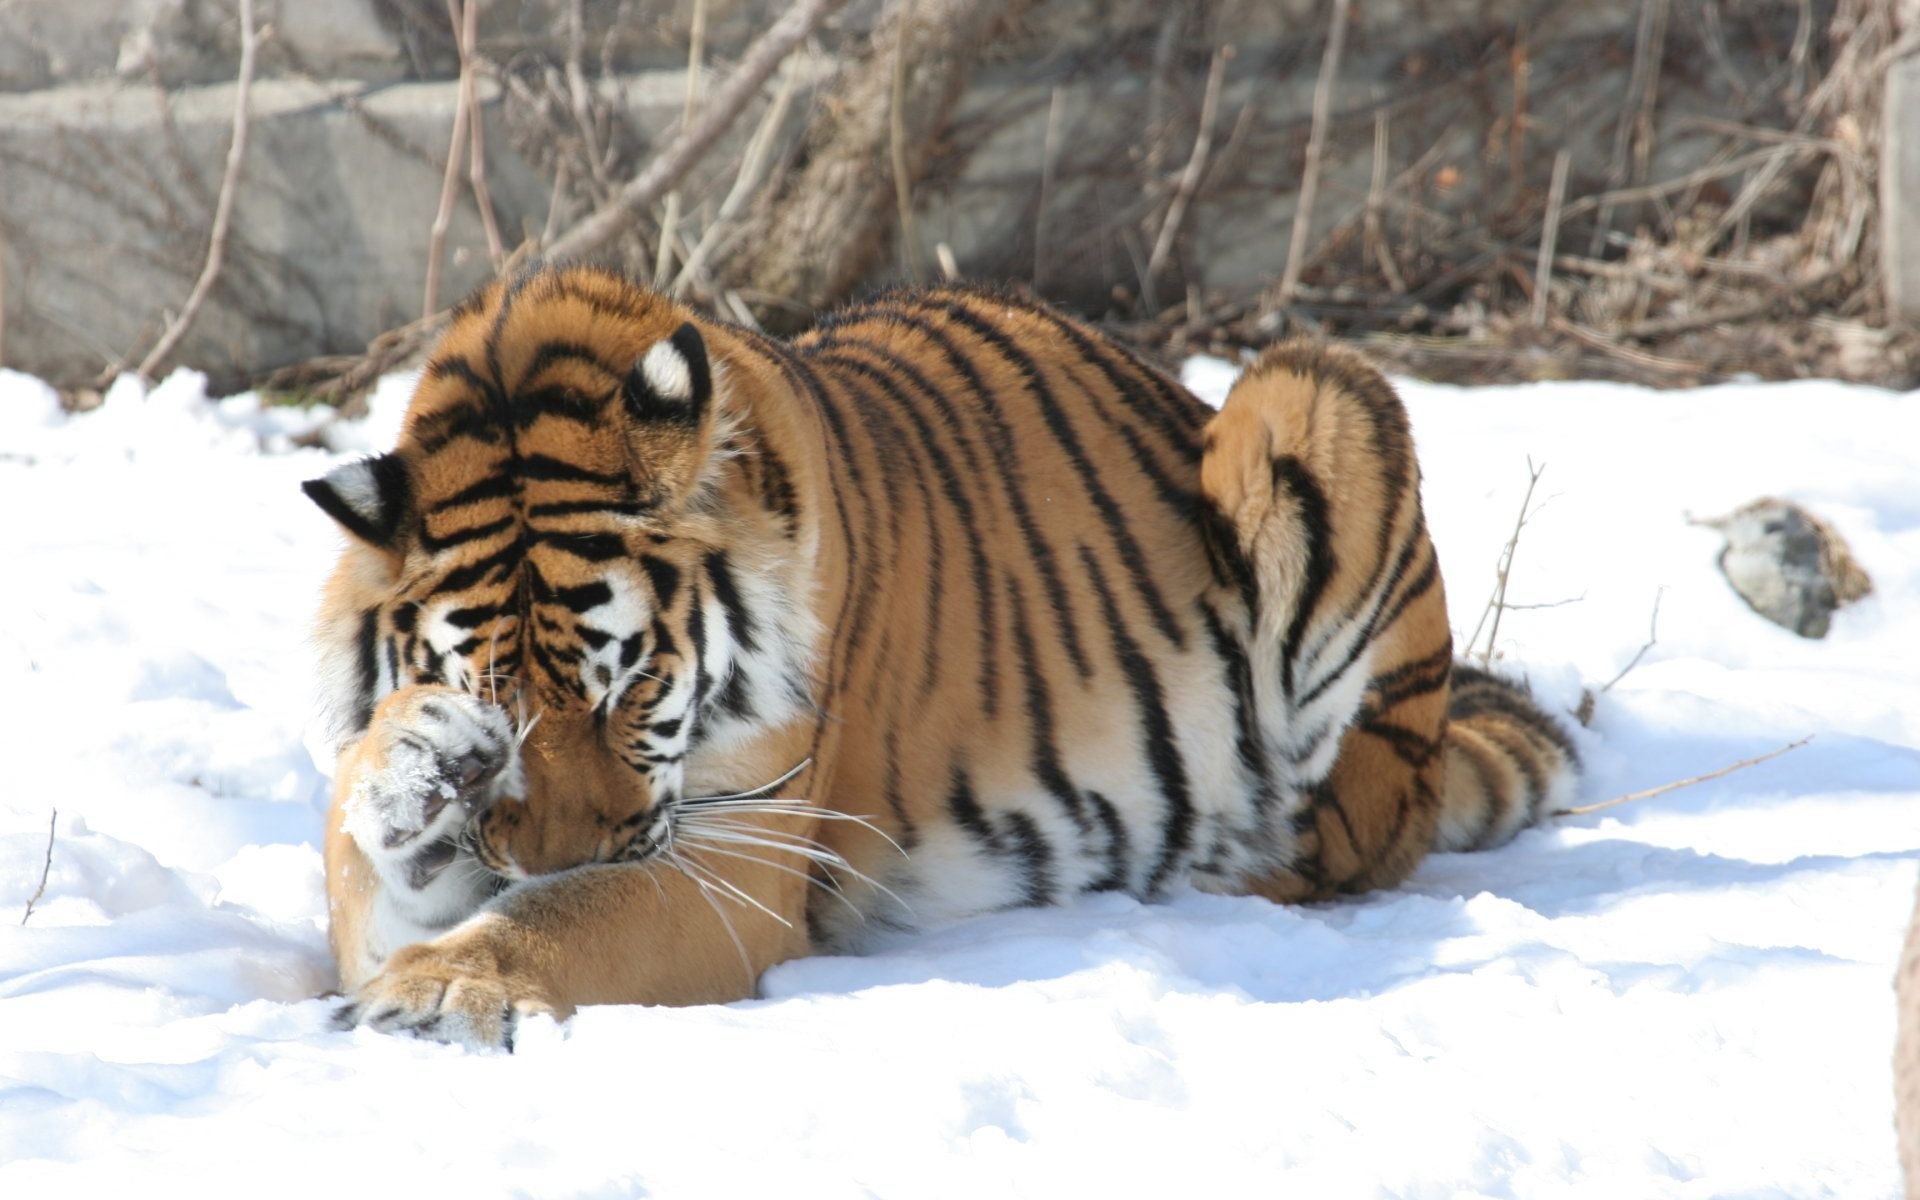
(106, 187)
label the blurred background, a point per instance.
(286, 193)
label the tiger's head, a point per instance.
(575, 526)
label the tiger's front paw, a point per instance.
(456, 988)
(433, 758)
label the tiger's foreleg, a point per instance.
(398, 871)
(684, 927)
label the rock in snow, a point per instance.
(1788, 565)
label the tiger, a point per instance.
(661, 651)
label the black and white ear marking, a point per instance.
(672, 379)
(368, 497)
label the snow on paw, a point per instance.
(432, 761)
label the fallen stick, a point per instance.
(45, 867)
(1647, 793)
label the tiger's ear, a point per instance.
(369, 497)
(671, 381)
(668, 396)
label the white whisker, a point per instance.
(829, 886)
(731, 888)
(706, 893)
(754, 793)
(701, 831)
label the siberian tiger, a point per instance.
(662, 651)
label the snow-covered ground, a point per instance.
(1687, 996)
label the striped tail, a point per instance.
(1508, 763)
(1316, 529)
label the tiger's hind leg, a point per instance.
(1310, 471)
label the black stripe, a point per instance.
(472, 617)
(955, 492)
(1163, 755)
(499, 486)
(502, 561)
(588, 547)
(1248, 742)
(1119, 847)
(542, 468)
(894, 463)
(553, 352)
(966, 813)
(1061, 426)
(1039, 707)
(1012, 483)
(663, 575)
(739, 620)
(367, 645)
(1036, 857)
(1290, 473)
(435, 544)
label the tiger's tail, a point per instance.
(1315, 526)
(1507, 762)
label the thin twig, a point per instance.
(3, 295)
(1550, 234)
(1196, 164)
(692, 142)
(477, 135)
(580, 98)
(223, 206)
(1497, 602)
(1653, 638)
(696, 52)
(1646, 793)
(753, 164)
(1049, 153)
(1376, 194)
(45, 867)
(450, 180)
(1644, 65)
(897, 144)
(1316, 145)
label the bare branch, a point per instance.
(897, 147)
(45, 867)
(1376, 196)
(223, 205)
(1316, 145)
(696, 56)
(696, 139)
(1543, 268)
(477, 146)
(1646, 793)
(456, 150)
(1049, 154)
(1497, 602)
(1653, 637)
(753, 165)
(1196, 164)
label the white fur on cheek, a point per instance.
(667, 374)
